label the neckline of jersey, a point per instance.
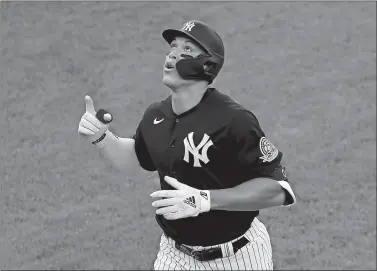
(205, 95)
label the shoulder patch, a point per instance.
(268, 150)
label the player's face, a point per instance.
(179, 46)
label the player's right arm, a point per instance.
(121, 152)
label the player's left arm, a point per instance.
(255, 194)
(269, 186)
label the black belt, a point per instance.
(212, 253)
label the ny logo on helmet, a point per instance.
(194, 150)
(188, 26)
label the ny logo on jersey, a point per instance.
(194, 150)
(188, 26)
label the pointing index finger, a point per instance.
(89, 105)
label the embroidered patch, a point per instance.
(268, 150)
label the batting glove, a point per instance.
(94, 124)
(184, 202)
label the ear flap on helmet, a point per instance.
(193, 68)
(201, 67)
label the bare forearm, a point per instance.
(256, 194)
(120, 152)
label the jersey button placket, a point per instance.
(172, 145)
(173, 170)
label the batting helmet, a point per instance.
(203, 67)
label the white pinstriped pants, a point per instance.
(255, 255)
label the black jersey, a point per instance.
(216, 144)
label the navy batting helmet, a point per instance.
(204, 67)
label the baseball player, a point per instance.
(217, 168)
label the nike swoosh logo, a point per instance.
(157, 121)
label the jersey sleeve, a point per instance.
(253, 150)
(256, 155)
(141, 148)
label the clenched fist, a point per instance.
(94, 124)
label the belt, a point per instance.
(212, 253)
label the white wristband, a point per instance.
(205, 201)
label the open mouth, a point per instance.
(169, 66)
